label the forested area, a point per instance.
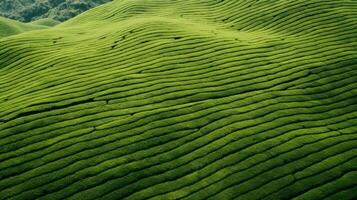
(31, 10)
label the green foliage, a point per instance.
(183, 99)
(46, 22)
(10, 27)
(60, 10)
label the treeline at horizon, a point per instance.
(31, 10)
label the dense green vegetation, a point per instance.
(31, 10)
(11, 27)
(183, 99)
(46, 22)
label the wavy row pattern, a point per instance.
(174, 99)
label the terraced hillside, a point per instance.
(177, 99)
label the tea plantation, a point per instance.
(183, 99)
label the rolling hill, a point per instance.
(10, 27)
(177, 99)
(46, 22)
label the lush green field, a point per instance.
(183, 99)
(46, 22)
(11, 27)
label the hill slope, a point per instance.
(30, 10)
(181, 99)
(46, 22)
(11, 27)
